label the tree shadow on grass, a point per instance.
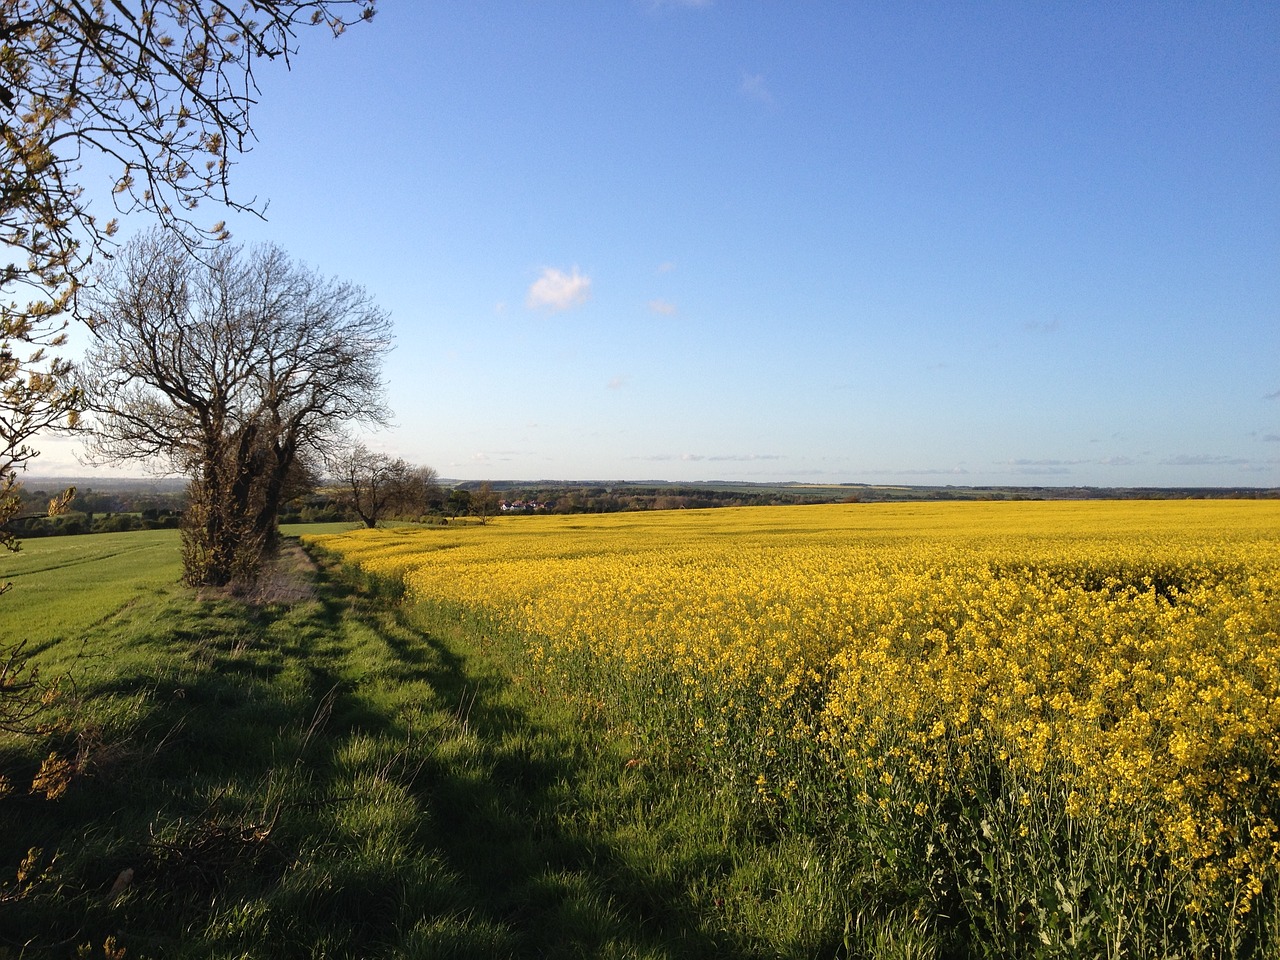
(497, 791)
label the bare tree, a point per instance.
(421, 491)
(378, 487)
(231, 369)
(484, 501)
(371, 482)
(161, 89)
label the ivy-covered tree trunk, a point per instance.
(221, 544)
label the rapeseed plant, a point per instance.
(1063, 719)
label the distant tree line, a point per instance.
(90, 511)
(577, 497)
(517, 498)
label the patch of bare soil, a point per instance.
(289, 579)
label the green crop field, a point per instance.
(62, 586)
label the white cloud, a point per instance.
(618, 382)
(664, 307)
(556, 290)
(754, 86)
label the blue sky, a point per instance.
(1024, 243)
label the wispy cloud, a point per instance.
(1117, 461)
(503, 456)
(918, 472)
(666, 266)
(618, 382)
(1271, 438)
(1045, 463)
(709, 457)
(556, 290)
(1203, 460)
(471, 461)
(664, 307)
(1042, 326)
(1272, 396)
(1039, 471)
(754, 86)
(678, 4)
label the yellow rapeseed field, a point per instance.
(1066, 715)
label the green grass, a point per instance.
(62, 586)
(335, 776)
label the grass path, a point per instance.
(331, 777)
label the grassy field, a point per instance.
(333, 775)
(63, 586)
(1020, 729)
